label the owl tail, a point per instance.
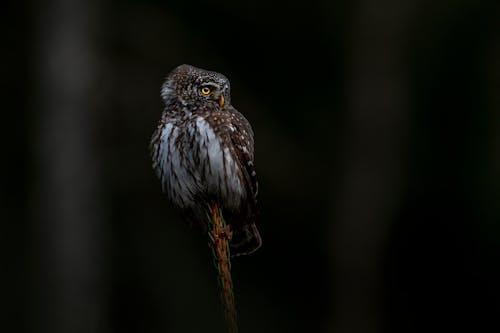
(246, 239)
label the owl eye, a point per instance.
(205, 90)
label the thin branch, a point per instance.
(219, 235)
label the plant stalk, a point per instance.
(219, 235)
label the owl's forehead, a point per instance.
(210, 77)
(188, 74)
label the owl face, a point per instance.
(195, 87)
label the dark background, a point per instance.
(377, 129)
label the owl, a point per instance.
(203, 151)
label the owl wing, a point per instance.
(246, 238)
(236, 133)
(242, 140)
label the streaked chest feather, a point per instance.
(194, 163)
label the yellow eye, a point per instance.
(205, 90)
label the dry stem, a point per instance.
(219, 236)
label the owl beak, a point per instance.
(221, 100)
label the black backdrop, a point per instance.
(377, 149)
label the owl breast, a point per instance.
(194, 164)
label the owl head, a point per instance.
(195, 86)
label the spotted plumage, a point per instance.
(203, 151)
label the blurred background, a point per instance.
(377, 127)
